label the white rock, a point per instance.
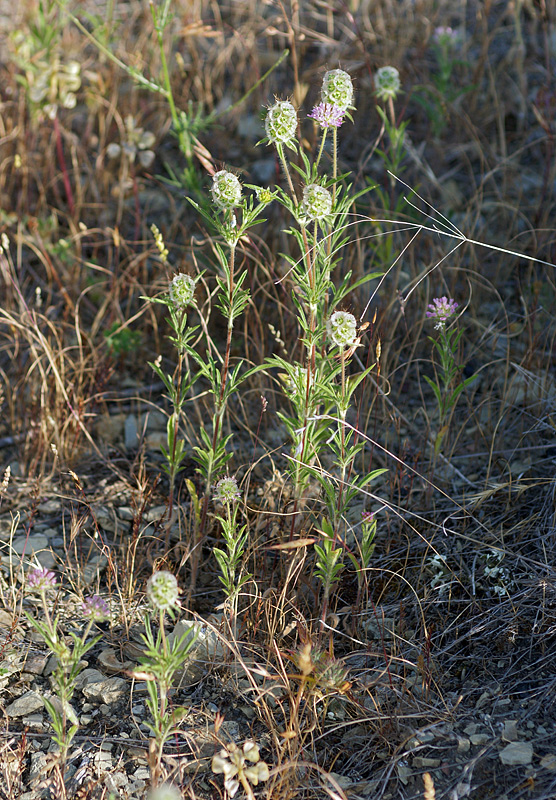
(108, 691)
(89, 676)
(25, 705)
(516, 753)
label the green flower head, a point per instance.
(387, 83)
(317, 201)
(162, 590)
(182, 291)
(342, 329)
(281, 123)
(337, 89)
(226, 190)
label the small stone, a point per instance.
(29, 544)
(425, 763)
(50, 507)
(464, 745)
(36, 664)
(479, 738)
(509, 734)
(404, 773)
(141, 774)
(89, 676)
(130, 432)
(25, 705)
(38, 763)
(35, 722)
(549, 762)
(114, 781)
(108, 691)
(471, 728)
(516, 753)
(102, 761)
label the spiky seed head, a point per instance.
(182, 290)
(337, 89)
(387, 83)
(342, 329)
(281, 123)
(226, 190)
(317, 201)
(162, 590)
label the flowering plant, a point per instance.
(240, 767)
(449, 387)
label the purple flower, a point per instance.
(41, 579)
(367, 517)
(327, 115)
(441, 309)
(95, 608)
(446, 36)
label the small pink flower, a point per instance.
(41, 579)
(441, 309)
(95, 608)
(327, 115)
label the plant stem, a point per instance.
(220, 403)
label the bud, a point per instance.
(317, 201)
(337, 89)
(182, 290)
(162, 590)
(226, 190)
(281, 123)
(342, 329)
(387, 83)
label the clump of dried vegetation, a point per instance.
(359, 508)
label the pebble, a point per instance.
(549, 762)
(29, 544)
(36, 664)
(479, 738)
(509, 734)
(516, 753)
(464, 745)
(425, 763)
(25, 705)
(38, 763)
(108, 691)
(115, 781)
(35, 722)
(89, 676)
(130, 432)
